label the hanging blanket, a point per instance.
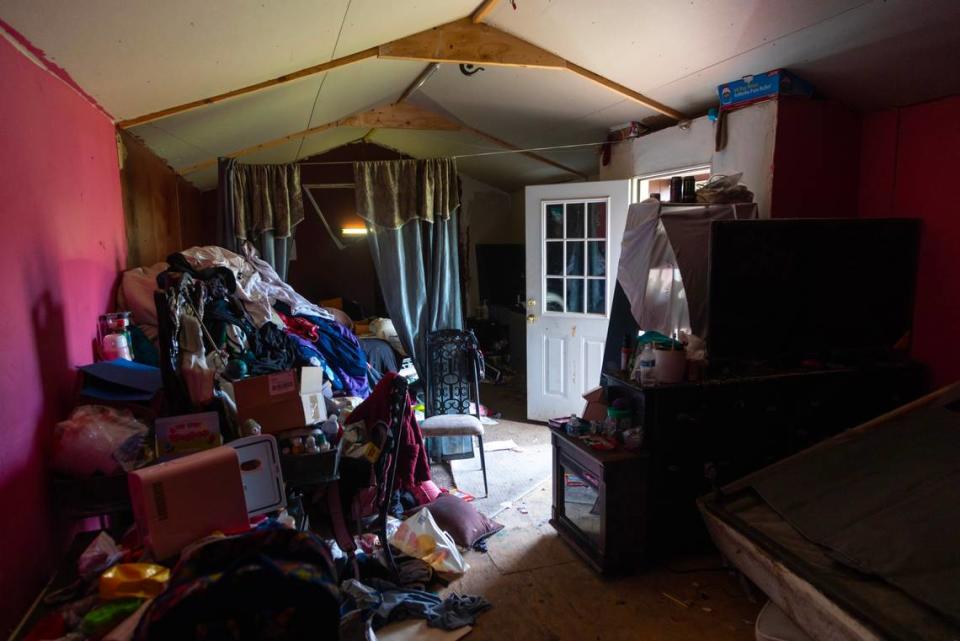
(413, 466)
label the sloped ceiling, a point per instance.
(138, 56)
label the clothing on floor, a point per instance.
(271, 583)
(456, 611)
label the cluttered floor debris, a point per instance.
(541, 591)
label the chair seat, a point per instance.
(452, 425)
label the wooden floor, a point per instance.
(541, 591)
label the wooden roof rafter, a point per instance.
(464, 41)
(398, 115)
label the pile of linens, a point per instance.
(226, 313)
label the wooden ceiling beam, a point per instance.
(402, 115)
(626, 92)
(266, 84)
(394, 116)
(276, 142)
(482, 11)
(464, 42)
(461, 41)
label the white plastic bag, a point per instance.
(420, 536)
(97, 438)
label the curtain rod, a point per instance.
(489, 153)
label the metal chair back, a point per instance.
(452, 373)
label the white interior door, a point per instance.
(573, 234)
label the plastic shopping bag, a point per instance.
(97, 439)
(420, 536)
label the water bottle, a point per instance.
(646, 363)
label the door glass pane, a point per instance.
(597, 220)
(596, 258)
(554, 221)
(575, 258)
(581, 504)
(596, 296)
(575, 220)
(554, 294)
(555, 258)
(575, 295)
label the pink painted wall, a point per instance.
(62, 243)
(908, 160)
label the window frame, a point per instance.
(691, 170)
(585, 277)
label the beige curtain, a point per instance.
(391, 193)
(266, 198)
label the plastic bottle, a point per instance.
(648, 359)
(625, 352)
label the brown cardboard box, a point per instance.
(596, 409)
(283, 401)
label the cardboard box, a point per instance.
(596, 409)
(186, 434)
(762, 86)
(282, 401)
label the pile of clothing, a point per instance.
(222, 313)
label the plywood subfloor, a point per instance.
(541, 591)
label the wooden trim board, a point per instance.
(463, 41)
(273, 82)
(394, 116)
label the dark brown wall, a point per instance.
(163, 212)
(321, 270)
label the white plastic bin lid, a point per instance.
(774, 625)
(261, 474)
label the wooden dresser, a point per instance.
(623, 510)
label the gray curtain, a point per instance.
(226, 231)
(411, 210)
(261, 204)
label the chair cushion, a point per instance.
(452, 425)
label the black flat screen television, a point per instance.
(784, 291)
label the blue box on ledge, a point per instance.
(761, 86)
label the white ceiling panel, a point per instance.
(207, 178)
(878, 55)
(374, 22)
(222, 128)
(138, 56)
(646, 44)
(233, 124)
(361, 86)
(525, 106)
(504, 171)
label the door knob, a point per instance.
(531, 302)
(531, 319)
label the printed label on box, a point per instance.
(282, 383)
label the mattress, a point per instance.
(779, 526)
